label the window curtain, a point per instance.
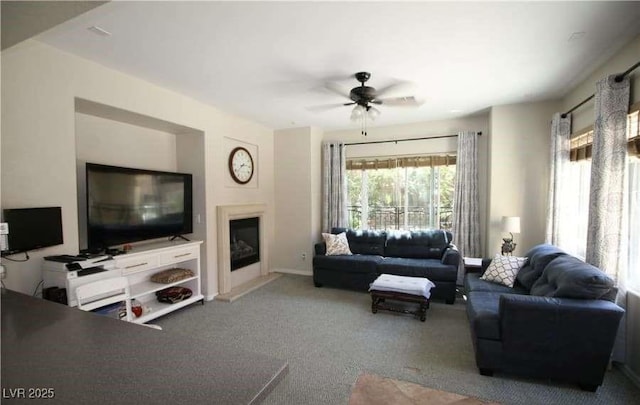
(608, 211)
(466, 217)
(560, 159)
(334, 186)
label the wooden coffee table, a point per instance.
(415, 290)
(378, 302)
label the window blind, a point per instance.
(407, 161)
(582, 141)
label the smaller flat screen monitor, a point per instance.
(33, 228)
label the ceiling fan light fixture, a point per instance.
(373, 113)
(357, 113)
(363, 98)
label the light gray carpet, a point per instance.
(329, 337)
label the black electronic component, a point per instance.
(90, 270)
(55, 294)
(65, 258)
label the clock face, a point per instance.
(241, 165)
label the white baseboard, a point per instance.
(635, 378)
(293, 271)
(210, 297)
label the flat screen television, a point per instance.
(127, 205)
(32, 228)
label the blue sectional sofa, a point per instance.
(559, 321)
(427, 253)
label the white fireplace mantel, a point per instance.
(228, 213)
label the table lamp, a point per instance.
(511, 225)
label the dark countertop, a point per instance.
(86, 358)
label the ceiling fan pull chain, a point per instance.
(364, 124)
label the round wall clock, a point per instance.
(241, 165)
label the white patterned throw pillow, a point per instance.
(503, 269)
(336, 244)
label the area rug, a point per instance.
(371, 389)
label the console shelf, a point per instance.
(146, 287)
(143, 262)
(160, 308)
(138, 265)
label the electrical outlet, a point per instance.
(3, 272)
(304, 256)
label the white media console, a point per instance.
(138, 266)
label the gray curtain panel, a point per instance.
(334, 186)
(466, 214)
(607, 232)
(560, 158)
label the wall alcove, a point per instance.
(113, 136)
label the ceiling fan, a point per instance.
(364, 98)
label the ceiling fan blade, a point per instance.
(337, 89)
(394, 88)
(409, 101)
(326, 107)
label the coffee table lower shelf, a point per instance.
(378, 299)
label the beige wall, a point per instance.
(620, 62)
(39, 86)
(292, 150)
(297, 198)
(105, 141)
(513, 157)
(519, 169)
(316, 184)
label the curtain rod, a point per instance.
(406, 139)
(618, 79)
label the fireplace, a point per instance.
(228, 214)
(244, 242)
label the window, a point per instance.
(575, 235)
(401, 193)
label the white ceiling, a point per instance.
(268, 61)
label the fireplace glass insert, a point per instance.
(244, 235)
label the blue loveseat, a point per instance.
(427, 253)
(559, 321)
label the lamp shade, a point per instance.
(511, 224)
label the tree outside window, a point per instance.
(401, 193)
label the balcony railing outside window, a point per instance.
(393, 218)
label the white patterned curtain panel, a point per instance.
(608, 209)
(334, 186)
(466, 214)
(560, 159)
